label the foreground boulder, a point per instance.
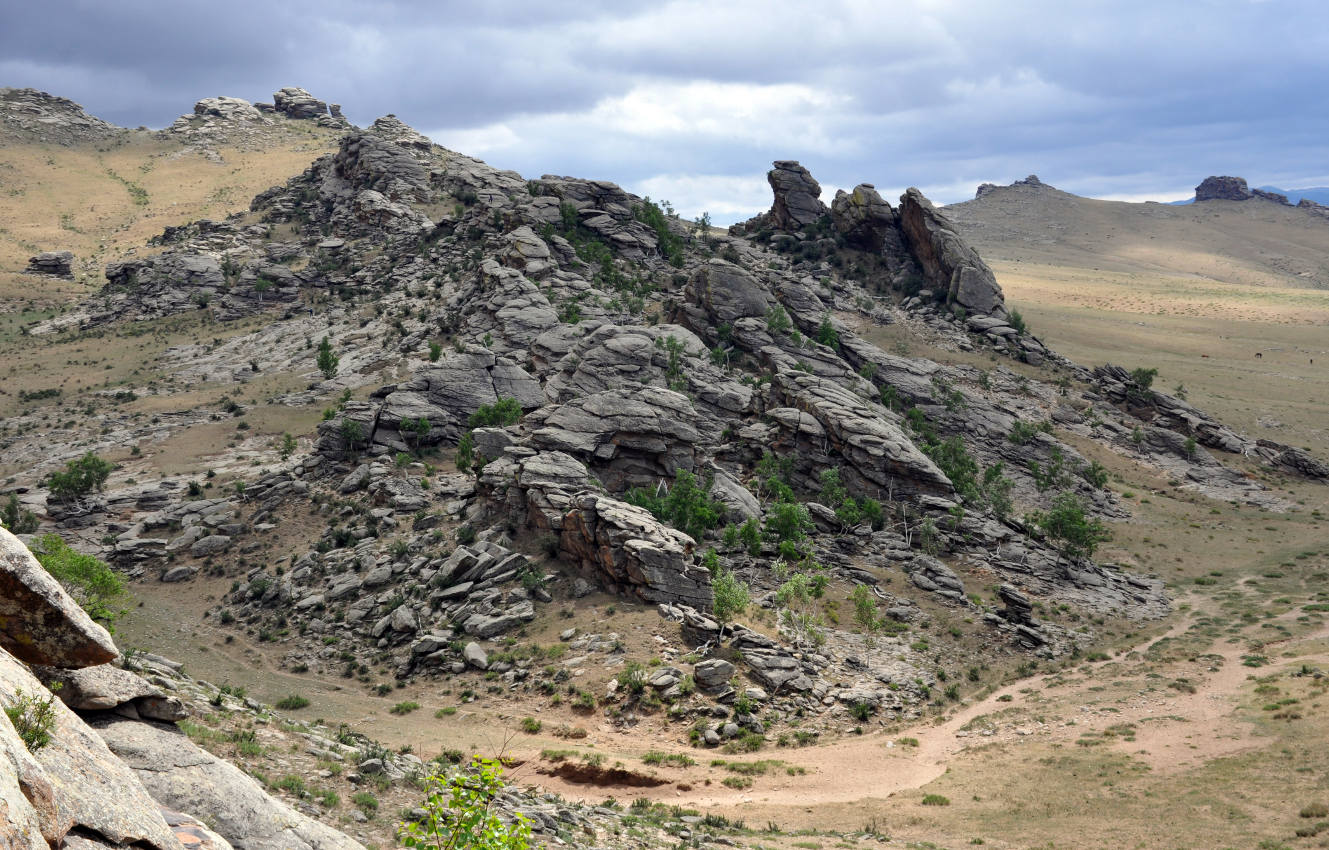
(39, 622)
(74, 781)
(183, 776)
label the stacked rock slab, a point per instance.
(52, 264)
(75, 792)
(949, 264)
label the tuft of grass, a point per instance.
(293, 702)
(445, 711)
(530, 725)
(404, 707)
(935, 800)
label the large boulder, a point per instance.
(295, 102)
(948, 262)
(1222, 189)
(52, 264)
(633, 552)
(629, 437)
(880, 460)
(797, 196)
(864, 218)
(74, 781)
(107, 687)
(729, 292)
(39, 622)
(181, 775)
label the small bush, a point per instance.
(33, 718)
(405, 707)
(292, 702)
(500, 414)
(530, 725)
(1315, 810)
(935, 800)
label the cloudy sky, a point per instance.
(690, 101)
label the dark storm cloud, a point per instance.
(693, 98)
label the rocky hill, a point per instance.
(1266, 242)
(512, 395)
(89, 192)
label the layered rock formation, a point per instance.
(62, 786)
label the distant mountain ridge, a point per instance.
(1234, 235)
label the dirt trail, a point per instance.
(1194, 726)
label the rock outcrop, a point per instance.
(62, 786)
(52, 264)
(1223, 189)
(797, 196)
(950, 265)
(39, 622)
(36, 116)
(297, 103)
(630, 551)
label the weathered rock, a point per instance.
(864, 218)
(90, 787)
(52, 264)
(229, 109)
(630, 437)
(932, 575)
(39, 622)
(797, 196)
(476, 656)
(107, 687)
(213, 544)
(185, 777)
(1222, 189)
(634, 552)
(730, 292)
(713, 673)
(948, 263)
(298, 103)
(881, 459)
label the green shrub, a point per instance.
(1071, 531)
(500, 414)
(33, 718)
(368, 804)
(293, 702)
(686, 506)
(777, 320)
(326, 360)
(788, 521)
(530, 725)
(89, 580)
(935, 800)
(730, 596)
(460, 813)
(826, 333)
(405, 707)
(15, 518)
(79, 478)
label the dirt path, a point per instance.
(1174, 729)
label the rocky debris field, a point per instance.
(540, 389)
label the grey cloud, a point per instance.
(1129, 96)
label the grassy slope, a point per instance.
(80, 199)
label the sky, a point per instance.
(690, 101)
